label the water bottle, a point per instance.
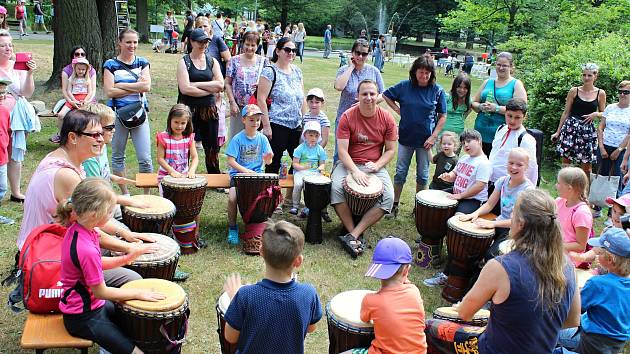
(284, 166)
(490, 97)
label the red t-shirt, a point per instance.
(367, 135)
(19, 12)
(5, 124)
(90, 273)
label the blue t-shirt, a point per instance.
(327, 36)
(287, 96)
(509, 195)
(117, 69)
(273, 317)
(215, 48)
(310, 156)
(606, 306)
(248, 152)
(418, 108)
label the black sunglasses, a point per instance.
(363, 54)
(624, 92)
(79, 54)
(94, 135)
(110, 127)
(289, 50)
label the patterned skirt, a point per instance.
(577, 141)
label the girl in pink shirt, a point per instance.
(574, 214)
(86, 313)
(176, 153)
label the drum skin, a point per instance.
(345, 330)
(480, 318)
(158, 218)
(187, 194)
(222, 305)
(161, 264)
(360, 199)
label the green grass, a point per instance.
(326, 266)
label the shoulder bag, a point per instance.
(134, 114)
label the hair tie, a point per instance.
(552, 217)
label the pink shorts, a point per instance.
(78, 97)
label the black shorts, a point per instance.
(98, 326)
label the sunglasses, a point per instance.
(94, 135)
(363, 54)
(289, 50)
(624, 92)
(110, 127)
(79, 54)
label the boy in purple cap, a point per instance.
(605, 322)
(396, 309)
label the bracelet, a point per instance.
(497, 108)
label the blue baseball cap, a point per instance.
(389, 254)
(613, 240)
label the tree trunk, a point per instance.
(438, 39)
(470, 38)
(284, 13)
(109, 29)
(75, 25)
(142, 20)
(189, 4)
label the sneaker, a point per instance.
(438, 280)
(304, 213)
(293, 211)
(180, 275)
(233, 238)
(597, 214)
(393, 213)
(278, 210)
(6, 221)
(325, 216)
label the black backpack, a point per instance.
(539, 136)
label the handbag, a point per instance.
(603, 187)
(253, 99)
(134, 114)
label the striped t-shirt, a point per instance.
(176, 152)
(117, 68)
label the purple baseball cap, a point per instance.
(389, 254)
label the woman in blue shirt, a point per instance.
(421, 103)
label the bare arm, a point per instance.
(472, 191)
(344, 156)
(226, 56)
(325, 135)
(28, 83)
(214, 86)
(476, 100)
(235, 165)
(342, 80)
(567, 109)
(105, 292)
(573, 317)
(519, 92)
(161, 154)
(231, 335)
(493, 284)
(64, 87)
(581, 236)
(388, 154)
(600, 137)
(392, 104)
(194, 162)
(264, 90)
(184, 84)
(142, 85)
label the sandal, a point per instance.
(353, 246)
(252, 245)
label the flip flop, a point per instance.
(353, 246)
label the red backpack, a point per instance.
(40, 267)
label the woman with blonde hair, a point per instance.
(299, 36)
(532, 289)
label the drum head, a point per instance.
(375, 186)
(468, 227)
(256, 175)
(450, 312)
(175, 295)
(346, 307)
(158, 206)
(317, 179)
(184, 183)
(224, 302)
(435, 198)
(506, 246)
(168, 248)
(582, 276)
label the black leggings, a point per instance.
(98, 326)
(282, 139)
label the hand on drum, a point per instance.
(267, 158)
(138, 249)
(361, 178)
(454, 196)
(137, 203)
(484, 224)
(447, 177)
(191, 174)
(232, 284)
(137, 237)
(152, 296)
(468, 217)
(372, 166)
(176, 174)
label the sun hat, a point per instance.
(199, 35)
(312, 125)
(3, 10)
(80, 61)
(624, 200)
(613, 240)
(389, 254)
(250, 110)
(317, 92)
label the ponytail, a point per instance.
(64, 212)
(92, 196)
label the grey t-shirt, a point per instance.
(509, 195)
(286, 95)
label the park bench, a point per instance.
(149, 180)
(46, 331)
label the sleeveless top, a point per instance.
(40, 204)
(581, 107)
(197, 75)
(176, 152)
(487, 123)
(520, 324)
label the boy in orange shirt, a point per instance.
(396, 309)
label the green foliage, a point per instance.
(550, 65)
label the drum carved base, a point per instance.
(428, 255)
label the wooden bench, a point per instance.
(149, 180)
(47, 331)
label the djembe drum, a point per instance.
(447, 333)
(480, 318)
(316, 198)
(222, 305)
(155, 326)
(467, 244)
(157, 218)
(345, 328)
(160, 264)
(433, 209)
(360, 198)
(257, 196)
(187, 194)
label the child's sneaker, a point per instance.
(325, 216)
(304, 213)
(233, 235)
(438, 280)
(293, 211)
(6, 221)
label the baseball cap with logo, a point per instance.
(389, 254)
(250, 110)
(613, 240)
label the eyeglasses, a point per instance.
(79, 54)
(624, 92)
(363, 54)
(110, 127)
(289, 50)
(94, 135)
(503, 66)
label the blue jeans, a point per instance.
(168, 34)
(3, 180)
(300, 48)
(141, 138)
(404, 160)
(568, 339)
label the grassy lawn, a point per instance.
(326, 266)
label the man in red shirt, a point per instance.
(366, 138)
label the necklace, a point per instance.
(67, 156)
